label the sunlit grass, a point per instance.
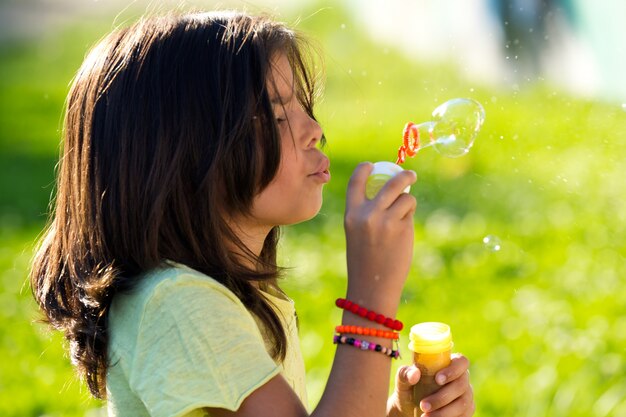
(543, 319)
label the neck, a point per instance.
(252, 235)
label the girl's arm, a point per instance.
(379, 241)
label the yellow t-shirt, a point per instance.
(180, 341)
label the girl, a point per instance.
(188, 140)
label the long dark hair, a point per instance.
(168, 129)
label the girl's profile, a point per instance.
(188, 141)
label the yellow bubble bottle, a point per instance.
(431, 344)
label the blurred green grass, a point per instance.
(543, 320)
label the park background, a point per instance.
(542, 317)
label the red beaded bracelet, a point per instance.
(367, 331)
(370, 315)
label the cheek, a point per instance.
(288, 160)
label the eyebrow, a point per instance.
(280, 100)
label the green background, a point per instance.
(542, 320)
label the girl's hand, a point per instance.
(454, 399)
(400, 404)
(379, 239)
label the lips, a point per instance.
(322, 172)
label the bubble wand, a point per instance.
(451, 133)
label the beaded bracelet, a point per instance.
(365, 345)
(367, 314)
(366, 331)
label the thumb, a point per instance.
(356, 186)
(406, 377)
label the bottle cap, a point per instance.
(430, 337)
(382, 172)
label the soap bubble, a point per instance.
(457, 122)
(451, 131)
(492, 242)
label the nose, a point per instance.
(314, 132)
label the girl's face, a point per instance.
(295, 193)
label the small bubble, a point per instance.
(343, 26)
(492, 243)
(501, 137)
(624, 106)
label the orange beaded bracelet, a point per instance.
(367, 331)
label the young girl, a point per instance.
(188, 140)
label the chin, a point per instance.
(318, 207)
(310, 214)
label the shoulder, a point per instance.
(175, 277)
(174, 309)
(175, 296)
(178, 284)
(181, 332)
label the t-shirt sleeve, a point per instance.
(197, 346)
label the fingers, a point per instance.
(394, 187)
(447, 395)
(455, 398)
(403, 207)
(463, 406)
(356, 186)
(406, 377)
(458, 366)
(402, 398)
(388, 195)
